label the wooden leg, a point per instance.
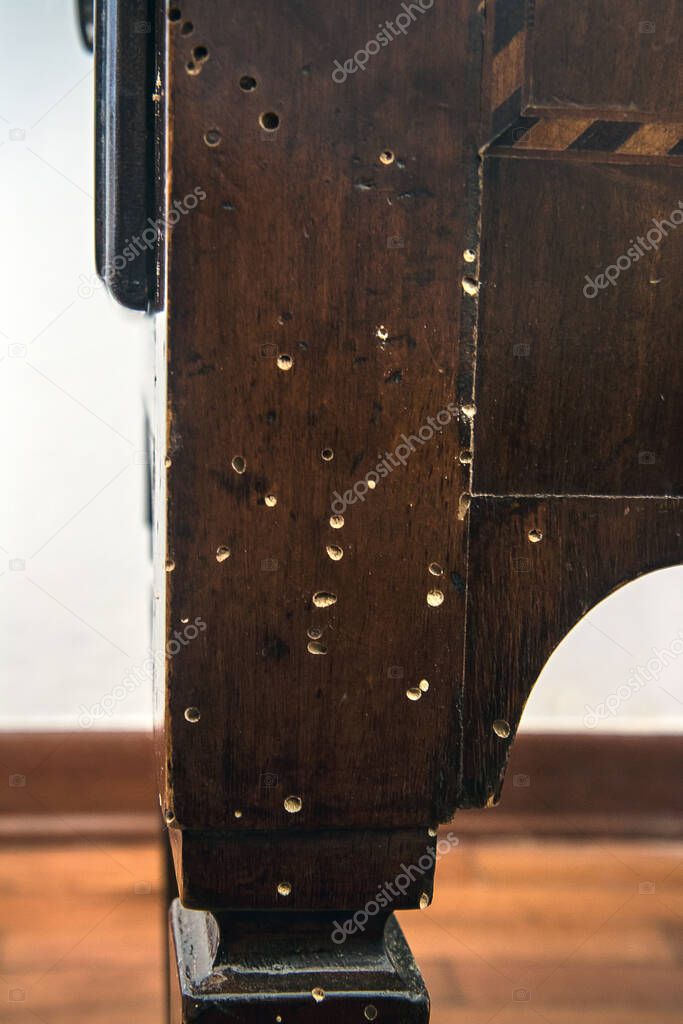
(376, 514)
(292, 967)
(353, 959)
(310, 743)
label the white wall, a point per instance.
(74, 591)
(621, 668)
(74, 573)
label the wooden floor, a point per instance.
(519, 932)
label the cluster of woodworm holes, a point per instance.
(270, 121)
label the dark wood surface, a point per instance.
(303, 265)
(376, 340)
(615, 55)
(225, 869)
(266, 966)
(578, 395)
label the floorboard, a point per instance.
(526, 931)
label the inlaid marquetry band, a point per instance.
(508, 43)
(512, 20)
(572, 134)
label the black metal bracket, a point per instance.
(84, 12)
(128, 121)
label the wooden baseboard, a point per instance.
(70, 784)
(66, 785)
(575, 784)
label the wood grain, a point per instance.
(316, 305)
(230, 870)
(577, 388)
(610, 55)
(308, 246)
